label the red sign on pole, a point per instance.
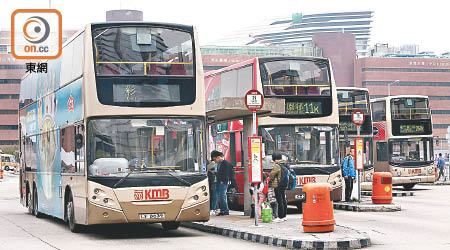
(254, 100)
(359, 153)
(358, 117)
(255, 159)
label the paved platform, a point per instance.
(287, 234)
(366, 205)
(394, 193)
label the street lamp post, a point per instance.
(389, 86)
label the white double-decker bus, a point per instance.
(115, 131)
(404, 139)
(306, 134)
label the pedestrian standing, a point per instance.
(212, 189)
(440, 166)
(224, 176)
(280, 192)
(349, 174)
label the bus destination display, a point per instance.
(303, 108)
(410, 129)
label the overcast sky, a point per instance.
(425, 23)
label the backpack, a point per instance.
(288, 179)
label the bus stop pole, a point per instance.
(358, 130)
(255, 186)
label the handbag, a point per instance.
(266, 188)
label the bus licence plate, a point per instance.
(152, 216)
(300, 196)
(415, 180)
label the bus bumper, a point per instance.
(396, 180)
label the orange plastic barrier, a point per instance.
(435, 173)
(382, 188)
(318, 213)
(1, 174)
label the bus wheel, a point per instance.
(170, 225)
(6, 168)
(75, 228)
(408, 186)
(35, 205)
(30, 202)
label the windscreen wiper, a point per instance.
(123, 178)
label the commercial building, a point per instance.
(11, 72)
(411, 76)
(299, 29)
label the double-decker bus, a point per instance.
(404, 139)
(306, 134)
(351, 99)
(115, 131)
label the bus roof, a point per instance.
(265, 58)
(398, 96)
(352, 88)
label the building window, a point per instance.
(12, 66)
(9, 96)
(8, 112)
(9, 81)
(3, 49)
(9, 127)
(403, 70)
(9, 142)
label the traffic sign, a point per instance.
(359, 153)
(254, 100)
(255, 159)
(358, 117)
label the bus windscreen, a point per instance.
(295, 78)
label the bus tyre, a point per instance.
(6, 168)
(30, 202)
(75, 228)
(408, 186)
(170, 225)
(35, 205)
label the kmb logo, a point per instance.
(36, 34)
(305, 180)
(151, 194)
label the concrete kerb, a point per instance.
(394, 194)
(367, 207)
(361, 241)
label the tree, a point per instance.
(14, 150)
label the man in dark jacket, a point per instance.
(223, 177)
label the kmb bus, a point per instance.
(115, 131)
(306, 134)
(351, 99)
(404, 139)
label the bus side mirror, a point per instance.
(78, 141)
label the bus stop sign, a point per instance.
(358, 117)
(254, 100)
(359, 153)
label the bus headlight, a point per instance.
(399, 172)
(203, 188)
(430, 170)
(369, 177)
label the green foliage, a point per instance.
(14, 150)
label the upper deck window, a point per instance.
(295, 78)
(350, 100)
(410, 108)
(143, 50)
